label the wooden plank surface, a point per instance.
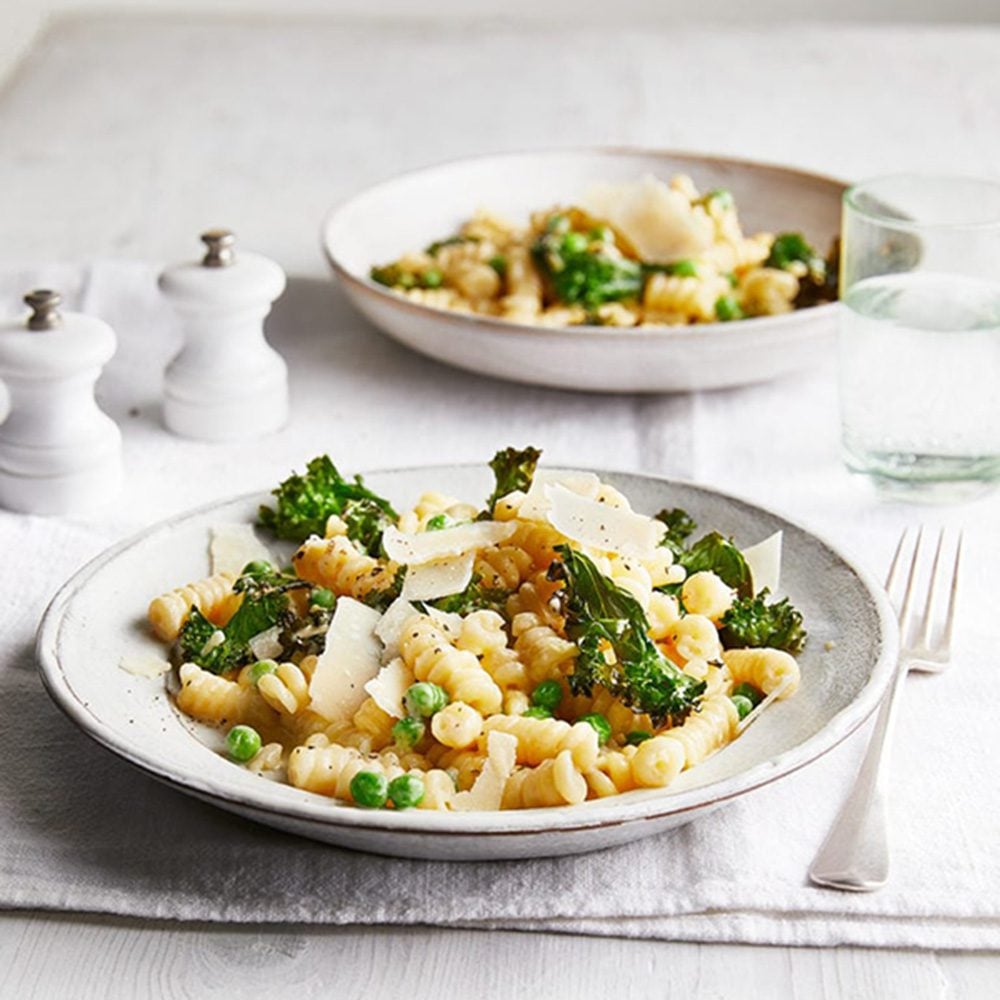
(126, 137)
(48, 956)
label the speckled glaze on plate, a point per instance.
(99, 615)
(410, 211)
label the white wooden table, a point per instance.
(127, 137)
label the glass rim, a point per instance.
(894, 222)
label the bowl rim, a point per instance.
(364, 286)
(327, 813)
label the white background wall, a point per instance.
(21, 20)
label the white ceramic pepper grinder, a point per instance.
(59, 452)
(227, 382)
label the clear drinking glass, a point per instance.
(920, 334)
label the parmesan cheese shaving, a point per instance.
(440, 578)
(390, 626)
(487, 792)
(658, 221)
(388, 687)
(536, 503)
(232, 546)
(144, 664)
(266, 645)
(600, 526)
(350, 658)
(764, 560)
(428, 546)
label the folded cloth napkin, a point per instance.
(81, 830)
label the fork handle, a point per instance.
(855, 854)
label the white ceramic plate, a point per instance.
(99, 616)
(411, 211)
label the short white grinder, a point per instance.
(59, 452)
(227, 382)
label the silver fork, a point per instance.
(855, 854)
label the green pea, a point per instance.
(732, 279)
(432, 278)
(637, 736)
(684, 269)
(548, 694)
(743, 704)
(408, 732)
(721, 197)
(320, 597)
(574, 243)
(242, 742)
(424, 699)
(406, 791)
(748, 691)
(727, 308)
(437, 522)
(538, 712)
(259, 567)
(600, 724)
(369, 789)
(261, 668)
(406, 280)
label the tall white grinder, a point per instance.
(59, 452)
(227, 383)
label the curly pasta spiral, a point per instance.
(465, 764)
(541, 739)
(555, 782)
(670, 298)
(502, 567)
(708, 728)
(431, 657)
(767, 669)
(336, 564)
(375, 723)
(484, 635)
(705, 594)
(210, 698)
(694, 637)
(213, 597)
(544, 653)
(457, 725)
(653, 764)
(286, 690)
(327, 769)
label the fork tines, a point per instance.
(929, 644)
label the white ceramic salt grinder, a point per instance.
(59, 452)
(227, 383)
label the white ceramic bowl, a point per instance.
(99, 616)
(411, 211)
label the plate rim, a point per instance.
(331, 814)
(490, 324)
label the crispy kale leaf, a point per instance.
(265, 604)
(475, 597)
(751, 621)
(720, 556)
(305, 502)
(584, 268)
(612, 633)
(789, 248)
(381, 599)
(513, 470)
(679, 526)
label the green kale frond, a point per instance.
(513, 469)
(719, 555)
(265, 604)
(752, 622)
(584, 268)
(680, 525)
(304, 502)
(611, 632)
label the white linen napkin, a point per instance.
(81, 830)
